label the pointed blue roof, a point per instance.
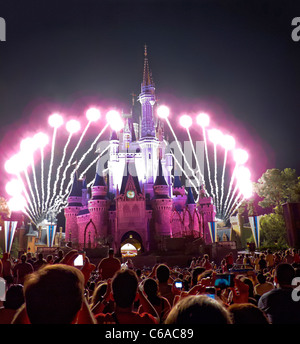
(177, 182)
(76, 189)
(160, 179)
(99, 181)
(114, 135)
(190, 196)
(126, 174)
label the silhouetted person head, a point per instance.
(151, 290)
(284, 274)
(14, 297)
(261, 278)
(54, 294)
(195, 274)
(124, 288)
(111, 252)
(162, 273)
(138, 272)
(247, 313)
(198, 309)
(23, 258)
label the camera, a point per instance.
(210, 292)
(178, 285)
(79, 260)
(224, 281)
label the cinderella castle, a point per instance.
(135, 198)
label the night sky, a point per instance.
(234, 59)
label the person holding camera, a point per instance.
(160, 303)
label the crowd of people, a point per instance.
(51, 290)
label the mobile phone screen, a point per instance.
(212, 296)
(79, 260)
(178, 285)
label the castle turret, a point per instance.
(126, 135)
(83, 216)
(71, 211)
(113, 163)
(98, 206)
(191, 206)
(162, 204)
(208, 212)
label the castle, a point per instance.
(135, 198)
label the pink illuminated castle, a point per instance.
(134, 197)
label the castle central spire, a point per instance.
(147, 77)
(147, 99)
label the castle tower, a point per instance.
(126, 135)
(148, 141)
(162, 204)
(147, 99)
(71, 211)
(193, 223)
(208, 212)
(83, 216)
(98, 207)
(132, 217)
(113, 163)
(179, 195)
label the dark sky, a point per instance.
(233, 59)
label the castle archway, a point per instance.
(131, 244)
(90, 231)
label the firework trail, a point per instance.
(230, 186)
(237, 206)
(59, 168)
(197, 162)
(50, 167)
(29, 203)
(35, 183)
(182, 170)
(223, 181)
(207, 163)
(180, 149)
(227, 209)
(42, 179)
(216, 180)
(71, 158)
(93, 162)
(82, 159)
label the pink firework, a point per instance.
(163, 111)
(114, 120)
(93, 114)
(73, 126)
(185, 121)
(55, 120)
(203, 119)
(240, 156)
